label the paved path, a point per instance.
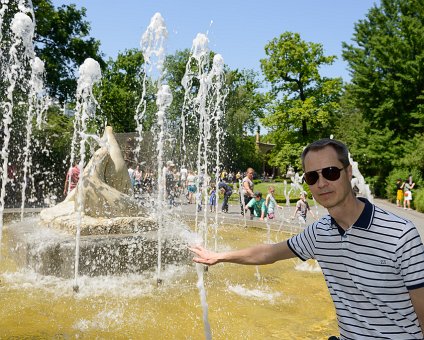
(283, 219)
(414, 216)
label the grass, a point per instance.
(278, 194)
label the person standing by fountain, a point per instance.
(72, 178)
(246, 191)
(302, 208)
(212, 198)
(183, 179)
(131, 174)
(138, 177)
(271, 203)
(257, 204)
(399, 191)
(191, 187)
(372, 260)
(407, 194)
(227, 191)
(170, 183)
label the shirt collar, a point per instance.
(365, 219)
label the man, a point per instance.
(170, 182)
(372, 260)
(183, 178)
(302, 208)
(227, 191)
(131, 174)
(72, 178)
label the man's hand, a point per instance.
(204, 256)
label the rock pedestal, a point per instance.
(52, 252)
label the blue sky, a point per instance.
(237, 29)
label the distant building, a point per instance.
(265, 149)
(147, 155)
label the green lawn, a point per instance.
(279, 192)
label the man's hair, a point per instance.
(250, 170)
(341, 149)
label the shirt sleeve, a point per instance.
(410, 257)
(251, 203)
(303, 244)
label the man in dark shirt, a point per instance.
(227, 191)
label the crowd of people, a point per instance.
(192, 186)
(141, 182)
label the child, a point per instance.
(212, 198)
(258, 205)
(199, 200)
(302, 207)
(270, 203)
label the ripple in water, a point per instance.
(255, 294)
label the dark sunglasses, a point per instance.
(331, 173)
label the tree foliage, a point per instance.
(121, 90)
(243, 106)
(62, 41)
(306, 104)
(386, 63)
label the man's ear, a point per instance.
(349, 171)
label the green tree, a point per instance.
(51, 153)
(62, 41)
(121, 89)
(306, 104)
(386, 63)
(245, 106)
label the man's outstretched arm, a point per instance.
(257, 255)
(417, 298)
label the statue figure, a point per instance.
(104, 190)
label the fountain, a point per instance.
(104, 236)
(359, 186)
(117, 234)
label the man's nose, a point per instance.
(321, 180)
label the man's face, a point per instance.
(250, 174)
(328, 193)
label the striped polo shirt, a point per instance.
(369, 269)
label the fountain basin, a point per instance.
(52, 252)
(276, 301)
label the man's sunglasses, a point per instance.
(331, 173)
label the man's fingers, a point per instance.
(195, 248)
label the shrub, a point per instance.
(418, 200)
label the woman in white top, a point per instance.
(191, 186)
